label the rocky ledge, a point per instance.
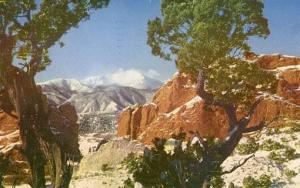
(176, 107)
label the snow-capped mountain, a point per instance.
(107, 99)
(66, 84)
(94, 98)
(60, 90)
(131, 78)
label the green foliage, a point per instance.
(181, 168)
(284, 155)
(289, 153)
(247, 148)
(263, 181)
(105, 167)
(284, 139)
(3, 168)
(36, 25)
(217, 182)
(212, 35)
(128, 183)
(231, 185)
(294, 127)
(290, 173)
(272, 131)
(269, 145)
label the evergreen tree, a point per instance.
(208, 39)
(28, 28)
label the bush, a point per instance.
(263, 181)
(284, 155)
(231, 185)
(217, 182)
(247, 148)
(272, 131)
(105, 167)
(290, 153)
(128, 183)
(270, 145)
(181, 168)
(289, 173)
(295, 127)
(284, 139)
(275, 156)
(4, 162)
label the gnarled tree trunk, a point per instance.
(218, 154)
(40, 145)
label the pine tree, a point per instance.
(28, 28)
(207, 39)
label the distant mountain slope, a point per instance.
(91, 98)
(108, 99)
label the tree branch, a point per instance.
(239, 165)
(254, 128)
(200, 88)
(209, 100)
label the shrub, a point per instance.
(290, 153)
(181, 168)
(272, 131)
(295, 127)
(4, 162)
(128, 183)
(231, 185)
(289, 173)
(217, 182)
(275, 156)
(105, 167)
(247, 148)
(284, 139)
(269, 145)
(263, 181)
(284, 155)
(293, 137)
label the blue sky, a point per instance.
(115, 38)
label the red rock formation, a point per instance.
(176, 107)
(63, 124)
(277, 60)
(174, 94)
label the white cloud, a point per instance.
(152, 73)
(131, 77)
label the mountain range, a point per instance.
(99, 94)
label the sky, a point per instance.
(114, 39)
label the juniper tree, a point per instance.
(28, 28)
(208, 39)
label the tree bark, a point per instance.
(216, 155)
(39, 144)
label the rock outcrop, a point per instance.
(63, 125)
(176, 107)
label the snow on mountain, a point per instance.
(98, 99)
(92, 98)
(107, 99)
(60, 90)
(131, 78)
(66, 84)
